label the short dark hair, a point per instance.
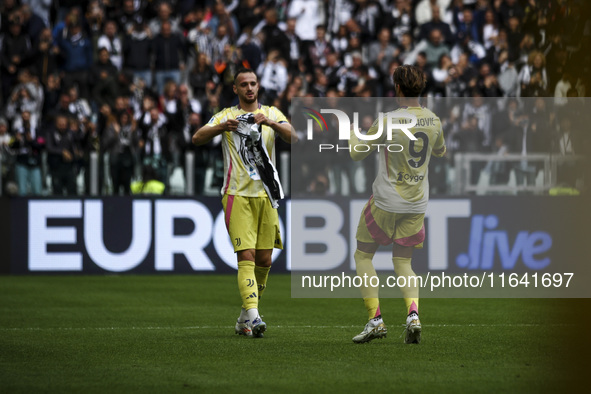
(410, 79)
(245, 71)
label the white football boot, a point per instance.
(375, 328)
(258, 327)
(413, 329)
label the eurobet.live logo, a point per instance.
(402, 121)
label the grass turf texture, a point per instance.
(176, 333)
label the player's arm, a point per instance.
(209, 131)
(280, 125)
(439, 148)
(362, 153)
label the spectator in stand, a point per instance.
(14, 52)
(508, 77)
(435, 48)
(562, 88)
(499, 170)
(178, 113)
(333, 71)
(75, 49)
(103, 74)
(32, 23)
(436, 23)
(339, 41)
(251, 48)
(22, 99)
(320, 86)
(425, 11)
(93, 19)
(199, 37)
(249, 13)
(137, 47)
(367, 19)
(41, 8)
(481, 110)
(305, 12)
(533, 77)
(121, 142)
(168, 96)
(540, 128)
(75, 128)
(401, 19)
(169, 56)
(202, 154)
(273, 76)
(8, 8)
(202, 74)
(514, 34)
(467, 26)
(354, 47)
(6, 153)
(490, 30)
(79, 106)
(126, 16)
(382, 52)
(441, 75)
(275, 38)
(319, 48)
(44, 60)
(112, 42)
(470, 139)
(487, 82)
(62, 108)
(51, 95)
(294, 44)
(406, 48)
(219, 42)
(510, 9)
(164, 16)
(61, 148)
(154, 143)
(226, 67)
(27, 145)
(465, 45)
(222, 17)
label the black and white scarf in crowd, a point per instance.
(255, 157)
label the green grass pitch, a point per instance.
(99, 334)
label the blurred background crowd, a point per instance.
(131, 80)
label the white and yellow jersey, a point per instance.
(402, 182)
(240, 178)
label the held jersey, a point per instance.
(239, 177)
(402, 181)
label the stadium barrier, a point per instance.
(533, 173)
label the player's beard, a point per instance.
(248, 100)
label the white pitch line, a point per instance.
(5, 329)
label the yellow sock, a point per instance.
(261, 274)
(410, 292)
(364, 266)
(247, 284)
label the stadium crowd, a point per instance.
(133, 79)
